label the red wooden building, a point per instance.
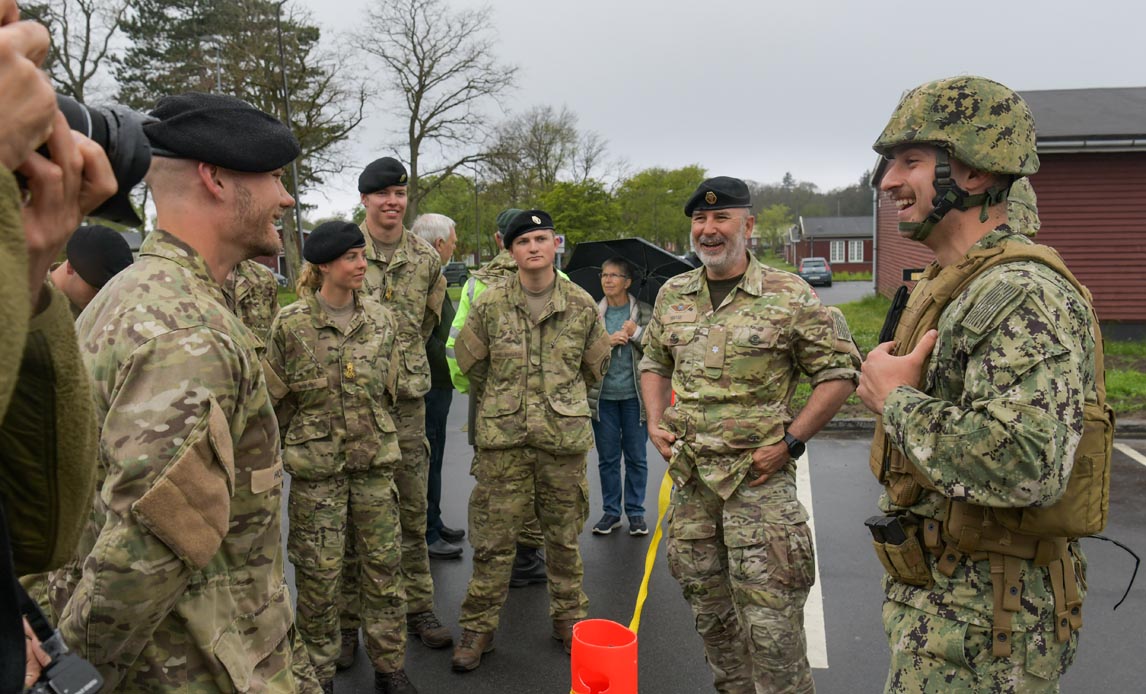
(846, 242)
(1091, 190)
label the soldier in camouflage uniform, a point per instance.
(404, 274)
(183, 587)
(530, 347)
(988, 409)
(731, 338)
(331, 372)
(253, 294)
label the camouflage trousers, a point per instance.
(746, 580)
(934, 654)
(319, 511)
(411, 477)
(511, 484)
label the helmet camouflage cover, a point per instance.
(980, 122)
(1023, 208)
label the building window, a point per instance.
(837, 252)
(855, 251)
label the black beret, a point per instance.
(719, 193)
(525, 222)
(221, 130)
(98, 253)
(382, 173)
(330, 240)
(505, 217)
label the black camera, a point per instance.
(119, 131)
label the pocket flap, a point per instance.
(251, 638)
(305, 428)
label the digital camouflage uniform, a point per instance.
(253, 294)
(183, 588)
(501, 268)
(412, 287)
(333, 395)
(743, 555)
(996, 423)
(532, 432)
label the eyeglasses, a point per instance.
(613, 276)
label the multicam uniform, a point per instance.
(183, 587)
(995, 423)
(533, 431)
(253, 294)
(412, 287)
(743, 555)
(334, 392)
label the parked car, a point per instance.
(456, 273)
(815, 271)
(280, 278)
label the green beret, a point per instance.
(525, 222)
(221, 130)
(330, 240)
(382, 173)
(98, 253)
(504, 217)
(719, 193)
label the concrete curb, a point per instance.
(1123, 427)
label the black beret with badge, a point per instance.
(505, 217)
(98, 253)
(525, 222)
(719, 193)
(382, 173)
(330, 240)
(221, 130)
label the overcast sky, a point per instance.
(756, 88)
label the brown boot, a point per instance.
(468, 652)
(429, 629)
(349, 649)
(563, 632)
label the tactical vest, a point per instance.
(1006, 535)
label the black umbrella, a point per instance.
(654, 265)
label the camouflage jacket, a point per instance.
(411, 285)
(253, 294)
(529, 378)
(183, 586)
(734, 371)
(999, 415)
(333, 392)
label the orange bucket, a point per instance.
(604, 658)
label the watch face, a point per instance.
(795, 446)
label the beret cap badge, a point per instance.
(710, 197)
(536, 219)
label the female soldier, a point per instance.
(331, 372)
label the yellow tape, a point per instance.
(663, 500)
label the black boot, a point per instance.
(393, 683)
(528, 567)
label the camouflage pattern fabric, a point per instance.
(742, 555)
(512, 485)
(996, 423)
(183, 587)
(934, 655)
(533, 429)
(746, 572)
(253, 294)
(1023, 208)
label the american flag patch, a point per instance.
(986, 308)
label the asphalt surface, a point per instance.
(671, 661)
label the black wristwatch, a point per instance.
(795, 446)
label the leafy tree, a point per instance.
(772, 223)
(650, 204)
(583, 211)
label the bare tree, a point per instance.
(442, 63)
(82, 32)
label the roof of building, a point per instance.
(836, 227)
(1089, 119)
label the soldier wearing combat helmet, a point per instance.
(981, 400)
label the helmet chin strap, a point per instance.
(949, 196)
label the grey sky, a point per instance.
(757, 88)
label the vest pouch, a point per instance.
(905, 561)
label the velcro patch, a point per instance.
(997, 298)
(843, 332)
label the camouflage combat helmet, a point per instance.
(1023, 208)
(978, 121)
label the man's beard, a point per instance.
(251, 227)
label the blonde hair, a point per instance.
(310, 279)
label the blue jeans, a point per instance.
(437, 409)
(620, 429)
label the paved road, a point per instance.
(528, 661)
(844, 292)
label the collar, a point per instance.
(558, 299)
(164, 244)
(752, 281)
(319, 318)
(401, 253)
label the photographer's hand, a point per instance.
(61, 190)
(30, 101)
(35, 659)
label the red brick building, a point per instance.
(846, 242)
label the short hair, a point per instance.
(623, 264)
(433, 227)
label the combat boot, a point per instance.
(328, 687)
(348, 650)
(428, 629)
(528, 567)
(563, 632)
(393, 683)
(472, 646)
